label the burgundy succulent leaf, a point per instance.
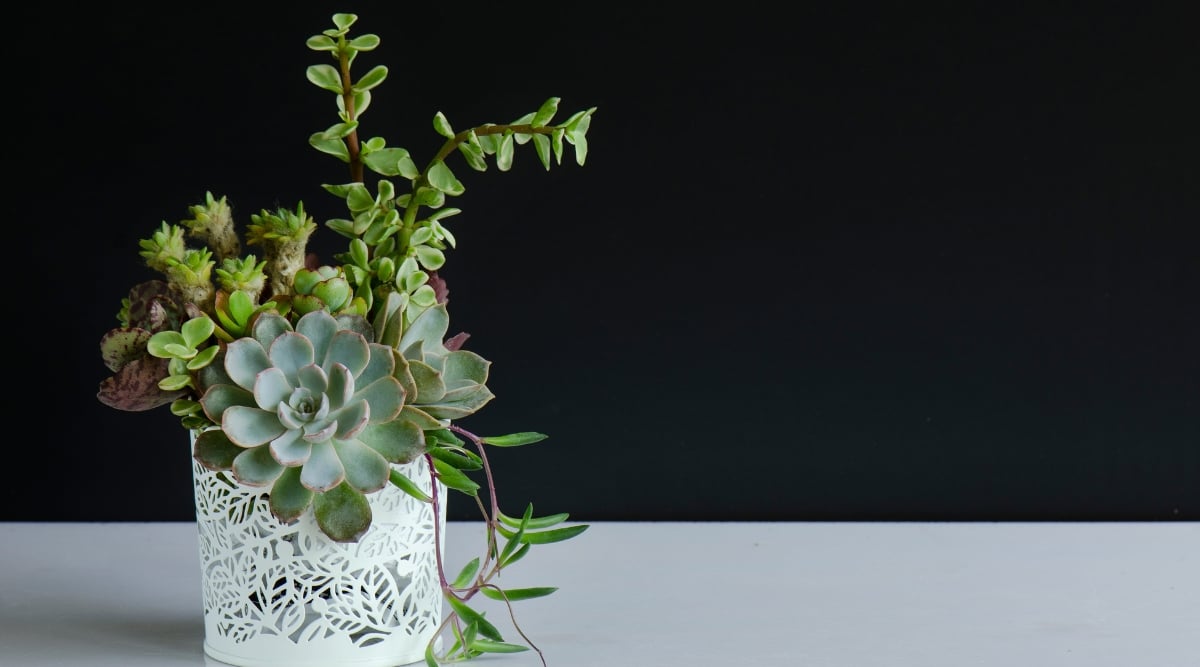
(456, 341)
(440, 291)
(134, 388)
(120, 346)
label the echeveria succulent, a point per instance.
(317, 412)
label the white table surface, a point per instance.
(684, 594)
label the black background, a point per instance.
(931, 263)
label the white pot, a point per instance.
(285, 595)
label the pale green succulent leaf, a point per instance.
(556, 142)
(250, 427)
(342, 513)
(291, 449)
(271, 389)
(430, 327)
(545, 113)
(350, 349)
(351, 419)
(385, 397)
(504, 152)
(441, 177)
(424, 296)
(161, 344)
(321, 43)
(542, 145)
(196, 331)
(398, 441)
(461, 407)
(319, 328)
(267, 327)
(420, 418)
(289, 499)
(256, 467)
(382, 363)
(175, 382)
(442, 126)
(366, 42)
(203, 358)
(290, 352)
(366, 469)
(334, 147)
(323, 470)
(326, 77)
(430, 387)
(372, 78)
(462, 368)
(391, 162)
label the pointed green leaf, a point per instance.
(536, 523)
(504, 152)
(542, 144)
(408, 486)
(488, 646)
(469, 615)
(514, 439)
(517, 594)
(455, 479)
(467, 575)
(545, 113)
(554, 535)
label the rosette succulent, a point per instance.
(314, 411)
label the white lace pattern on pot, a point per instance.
(277, 594)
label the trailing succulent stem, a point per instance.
(314, 380)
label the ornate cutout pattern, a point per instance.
(285, 594)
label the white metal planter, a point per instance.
(279, 595)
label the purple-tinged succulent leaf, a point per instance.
(440, 290)
(245, 358)
(221, 396)
(397, 441)
(123, 345)
(256, 467)
(456, 342)
(215, 451)
(135, 388)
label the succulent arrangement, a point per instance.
(312, 379)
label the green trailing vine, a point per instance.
(185, 340)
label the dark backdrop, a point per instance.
(821, 264)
